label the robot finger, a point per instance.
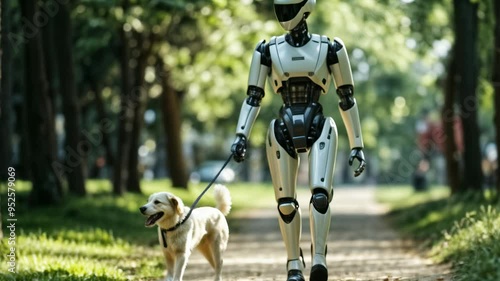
(360, 169)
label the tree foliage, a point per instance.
(399, 50)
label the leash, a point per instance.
(181, 222)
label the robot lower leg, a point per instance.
(319, 211)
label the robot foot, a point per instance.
(295, 275)
(319, 273)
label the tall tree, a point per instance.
(496, 83)
(2, 36)
(127, 104)
(5, 90)
(144, 47)
(38, 110)
(70, 103)
(466, 59)
(102, 116)
(49, 52)
(448, 114)
(94, 54)
(171, 113)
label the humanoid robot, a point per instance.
(299, 66)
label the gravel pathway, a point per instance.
(362, 245)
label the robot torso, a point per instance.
(308, 62)
(300, 75)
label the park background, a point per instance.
(105, 101)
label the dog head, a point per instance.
(161, 206)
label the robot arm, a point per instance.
(338, 61)
(259, 69)
(341, 69)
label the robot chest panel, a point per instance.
(306, 61)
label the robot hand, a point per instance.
(357, 153)
(239, 148)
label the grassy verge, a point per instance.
(99, 237)
(462, 230)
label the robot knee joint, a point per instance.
(320, 200)
(287, 207)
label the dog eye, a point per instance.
(157, 202)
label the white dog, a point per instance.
(206, 230)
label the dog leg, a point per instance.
(206, 250)
(218, 249)
(180, 265)
(218, 266)
(170, 270)
(169, 260)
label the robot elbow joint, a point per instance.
(255, 95)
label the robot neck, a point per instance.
(299, 36)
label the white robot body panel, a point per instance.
(284, 170)
(291, 233)
(342, 73)
(258, 71)
(322, 158)
(319, 224)
(248, 115)
(306, 61)
(353, 125)
(321, 168)
(282, 166)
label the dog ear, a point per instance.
(177, 204)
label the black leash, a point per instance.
(177, 225)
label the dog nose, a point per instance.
(142, 209)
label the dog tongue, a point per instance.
(153, 218)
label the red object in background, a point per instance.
(431, 136)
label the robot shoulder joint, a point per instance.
(333, 49)
(265, 54)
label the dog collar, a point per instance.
(173, 228)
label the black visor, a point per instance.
(288, 11)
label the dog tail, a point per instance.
(222, 199)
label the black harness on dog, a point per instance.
(181, 222)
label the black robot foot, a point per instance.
(319, 273)
(295, 275)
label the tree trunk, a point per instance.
(120, 169)
(140, 97)
(171, 114)
(4, 153)
(103, 119)
(451, 152)
(79, 147)
(50, 71)
(466, 30)
(496, 85)
(38, 112)
(5, 91)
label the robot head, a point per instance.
(291, 12)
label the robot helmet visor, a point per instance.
(288, 11)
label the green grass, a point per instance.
(462, 230)
(101, 236)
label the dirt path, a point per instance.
(362, 246)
